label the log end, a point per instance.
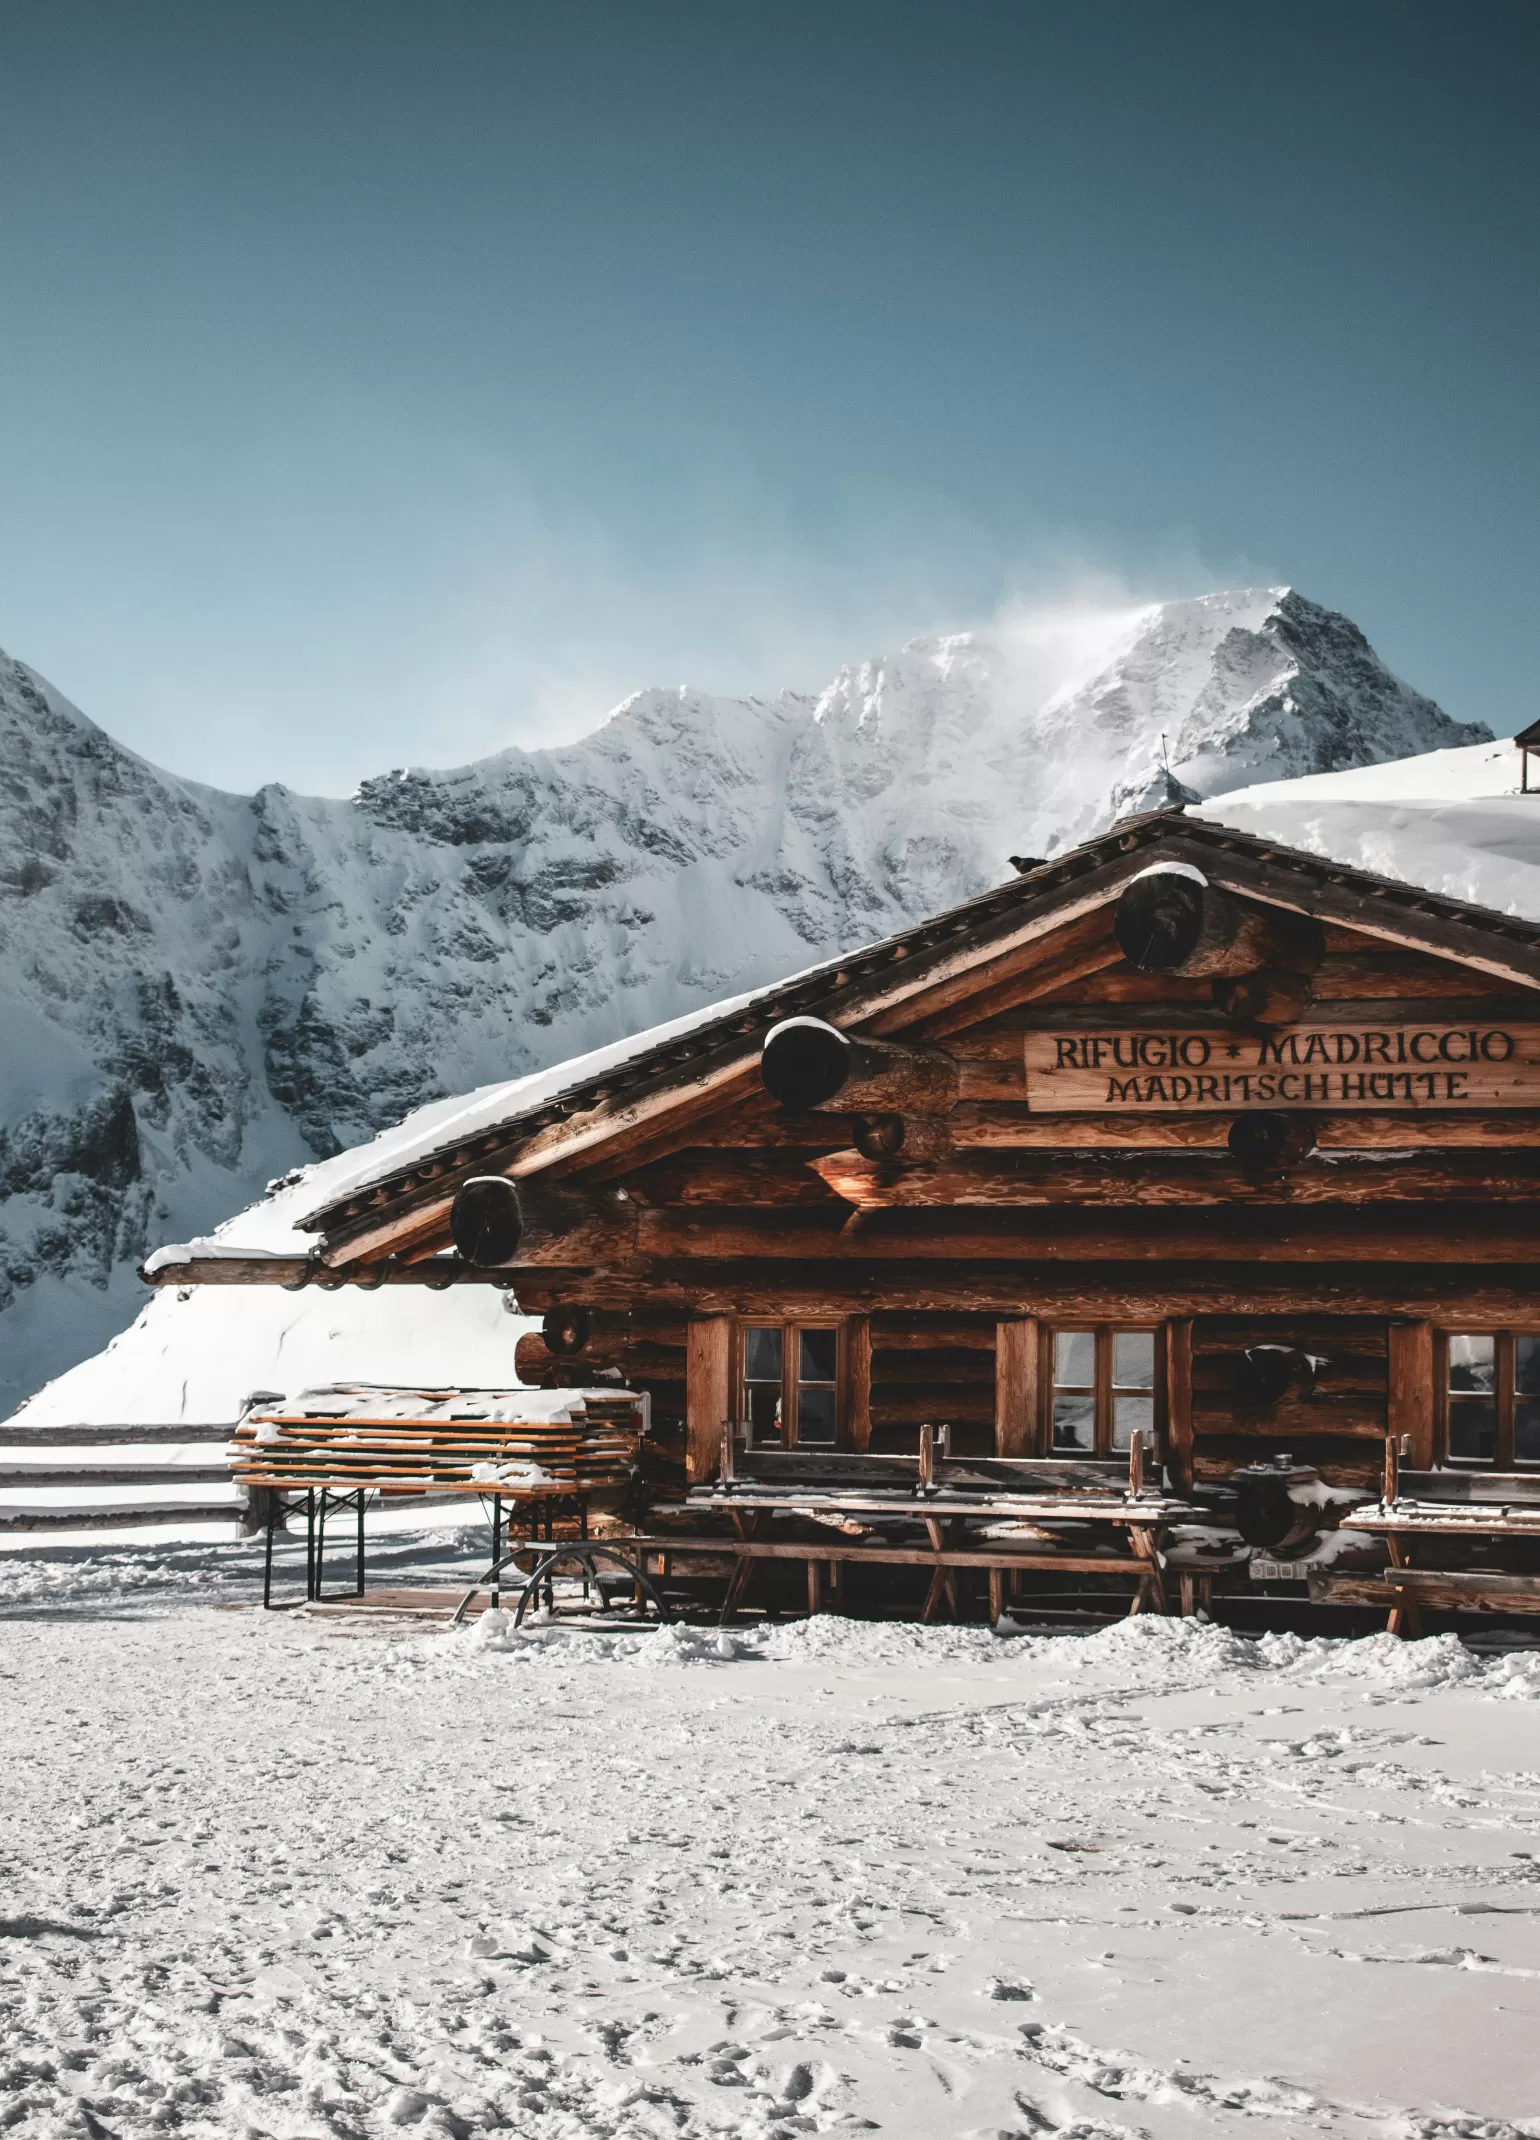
(803, 1063)
(486, 1220)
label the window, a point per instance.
(1103, 1388)
(1492, 1397)
(790, 1384)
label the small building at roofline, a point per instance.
(1183, 1132)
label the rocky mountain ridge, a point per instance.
(201, 990)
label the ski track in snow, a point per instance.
(273, 1875)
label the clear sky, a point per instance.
(386, 383)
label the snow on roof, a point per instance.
(1451, 822)
(272, 1227)
(374, 1401)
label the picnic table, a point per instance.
(1448, 1515)
(928, 1512)
(332, 1451)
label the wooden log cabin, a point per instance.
(1183, 1132)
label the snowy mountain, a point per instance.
(203, 990)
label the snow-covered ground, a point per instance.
(267, 1875)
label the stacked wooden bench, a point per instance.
(924, 1512)
(331, 1451)
(1442, 1519)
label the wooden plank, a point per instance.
(1291, 1419)
(1179, 1419)
(1181, 1016)
(1434, 1589)
(1410, 1409)
(859, 1343)
(768, 1179)
(708, 1396)
(807, 1470)
(1398, 976)
(1006, 1125)
(14, 1475)
(965, 1368)
(1087, 947)
(1016, 1387)
(1341, 1065)
(896, 1556)
(1352, 972)
(1503, 1488)
(1454, 1232)
(1026, 1180)
(813, 1288)
(1110, 1505)
(189, 1437)
(896, 1335)
(296, 1272)
(125, 1518)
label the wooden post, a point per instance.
(1016, 1398)
(1410, 1395)
(860, 1356)
(1179, 1402)
(927, 1457)
(1136, 1463)
(708, 1397)
(1392, 1470)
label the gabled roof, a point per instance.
(532, 1122)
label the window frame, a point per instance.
(791, 1328)
(1104, 1388)
(1504, 1456)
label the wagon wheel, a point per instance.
(585, 1555)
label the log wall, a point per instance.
(1339, 1424)
(945, 1272)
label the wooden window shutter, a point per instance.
(1017, 1402)
(859, 1424)
(708, 1394)
(1179, 1427)
(1411, 1390)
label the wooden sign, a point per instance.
(1324, 1066)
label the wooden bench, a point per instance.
(943, 1497)
(334, 1450)
(1443, 1512)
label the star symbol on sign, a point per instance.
(1233, 1052)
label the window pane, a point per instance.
(1074, 1359)
(1526, 1366)
(819, 1351)
(1133, 1359)
(1472, 1363)
(1473, 1429)
(762, 1356)
(815, 1416)
(1526, 1431)
(1074, 1422)
(1131, 1412)
(762, 1409)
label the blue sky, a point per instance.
(384, 383)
